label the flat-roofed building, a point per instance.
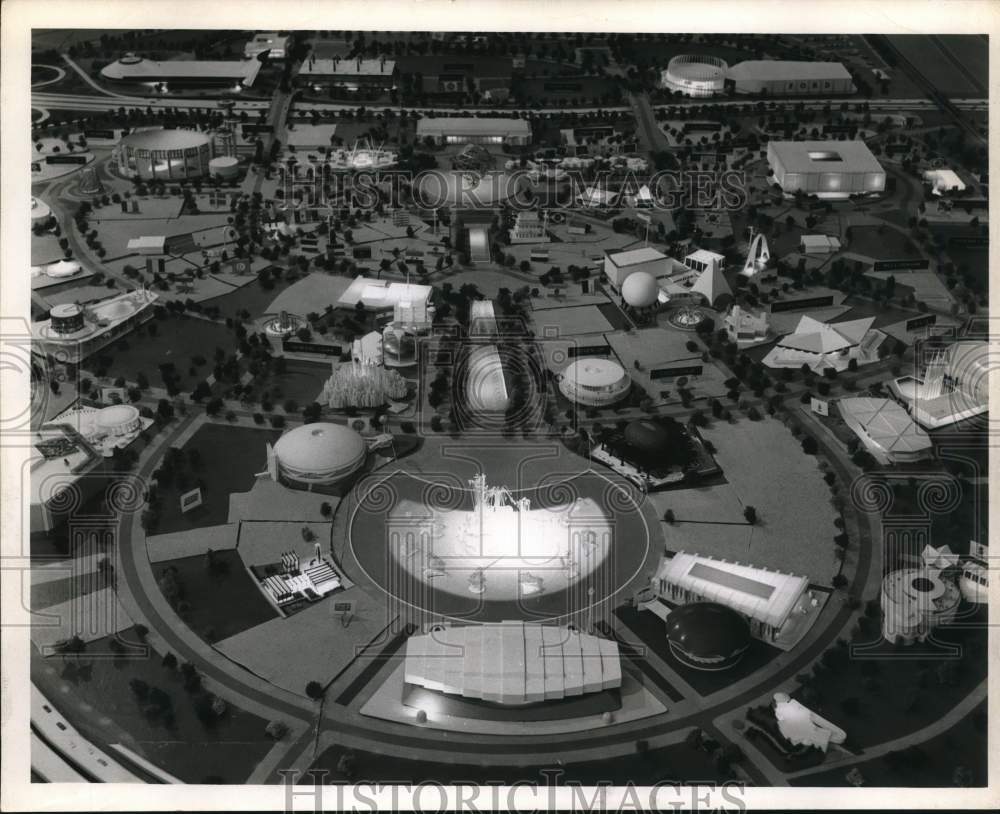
(778, 77)
(619, 266)
(468, 130)
(183, 72)
(455, 73)
(827, 169)
(351, 74)
(766, 598)
(819, 244)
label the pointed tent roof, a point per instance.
(711, 285)
(813, 336)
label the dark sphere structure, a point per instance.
(707, 635)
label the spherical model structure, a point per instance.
(594, 382)
(707, 635)
(695, 75)
(647, 435)
(318, 455)
(640, 289)
(165, 154)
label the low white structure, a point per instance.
(512, 662)
(148, 244)
(886, 430)
(954, 386)
(943, 180)
(597, 197)
(780, 77)
(915, 601)
(819, 244)
(696, 75)
(618, 266)
(462, 130)
(272, 43)
(803, 727)
(382, 294)
(827, 169)
(105, 428)
(594, 382)
(747, 327)
(183, 72)
(766, 598)
(821, 345)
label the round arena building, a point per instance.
(695, 75)
(594, 382)
(318, 455)
(707, 635)
(118, 420)
(165, 155)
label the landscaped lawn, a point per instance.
(678, 762)
(302, 382)
(229, 748)
(217, 602)
(229, 458)
(932, 765)
(889, 244)
(252, 297)
(177, 339)
(899, 691)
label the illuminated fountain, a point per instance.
(284, 324)
(686, 318)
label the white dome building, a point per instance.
(118, 420)
(594, 382)
(318, 454)
(640, 289)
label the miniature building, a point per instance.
(778, 77)
(272, 43)
(185, 73)
(915, 601)
(803, 727)
(828, 169)
(528, 228)
(975, 581)
(819, 244)
(704, 260)
(165, 154)
(640, 290)
(886, 430)
(594, 382)
(821, 345)
(707, 635)
(319, 454)
(954, 386)
(75, 332)
(350, 74)
(943, 180)
(455, 74)
(618, 266)
(695, 75)
(746, 326)
(512, 663)
(766, 598)
(456, 130)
